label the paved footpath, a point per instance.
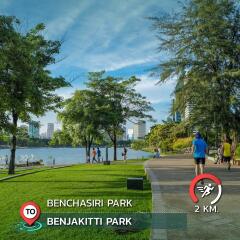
(170, 178)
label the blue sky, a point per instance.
(109, 35)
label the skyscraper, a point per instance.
(139, 129)
(33, 129)
(50, 130)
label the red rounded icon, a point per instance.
(30, 212)
(199, 178)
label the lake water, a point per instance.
(65, 155)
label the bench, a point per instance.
(106, 162)
(135, 183)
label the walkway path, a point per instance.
(170, 178)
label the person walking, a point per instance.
(199, 150)
(98, 154)
(94, 153)
(226, 149)
(219, 155)
(124, 154)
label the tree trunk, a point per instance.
(115, 146)
(86, 149)
(89, 151)
(11, 169)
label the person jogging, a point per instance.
(199, 150)
(226, 149)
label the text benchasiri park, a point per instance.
(88, 203)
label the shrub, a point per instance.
(182, 143)
(238, 151)
(138, 144)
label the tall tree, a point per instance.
(204, 42)
(27, 85)
(117, 101)
(81, 120)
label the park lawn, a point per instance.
(84, 181)
(4, 172)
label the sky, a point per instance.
(109, 35)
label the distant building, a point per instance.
(139, 130)
(33, 129)
(130, 134)
(43, 135)
(50, 130)
(188, 110)
(123, 136)
(177, 117)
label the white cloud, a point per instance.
(156, 93)
(67, 17)
(110, 37)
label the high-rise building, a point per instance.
(139, 129)
(130, 134)
(188, 110)
(33, 129)
(123, 136)
(177, 117)
(43, 135)
(50, 130)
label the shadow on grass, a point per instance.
(64, 181)
(133, 194)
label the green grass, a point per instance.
(76, 182)
(4, 172)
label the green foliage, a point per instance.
(182, 143)
(164, 135)
(138, 144)
(238, 151)
(60, 138)
(117, 101)
(102, 109)
(204, 42)
(81, 122)
(26, 85)
(160, 136)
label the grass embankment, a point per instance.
(76, 182)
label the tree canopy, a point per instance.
(26, 84)
(204, 44)
(117, 102)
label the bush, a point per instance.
(238, 151)
(138, 144)
(182, 143)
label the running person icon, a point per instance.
(206, 190)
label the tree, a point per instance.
(81, 120)
(28, 87)
(204, 42)
(117, 101)
(60, 138)
(166, 134)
